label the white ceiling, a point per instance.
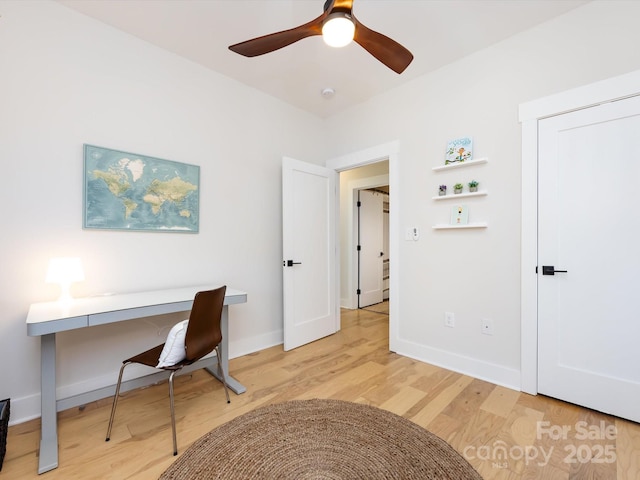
(437, 32)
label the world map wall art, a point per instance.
(128, 191)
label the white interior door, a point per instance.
(309, 252)
(588, 321)
(370, 255)
(385, 248)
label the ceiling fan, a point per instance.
(337, 14)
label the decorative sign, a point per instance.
(459, 150)
(459, 215)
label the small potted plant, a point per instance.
(473, 186)
(457, 188)
(442, 190)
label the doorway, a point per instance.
(385, 152)
(331, 213)
(363, 233)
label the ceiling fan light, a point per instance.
(338, 30)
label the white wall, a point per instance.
(66, 80)
(476, 273)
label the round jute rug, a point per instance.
(320, 439)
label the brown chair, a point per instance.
(203, 335)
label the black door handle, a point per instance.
(550, 270)
(290, 263)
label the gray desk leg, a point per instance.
(49, 422)
(232, 383)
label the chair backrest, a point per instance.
(203, 331)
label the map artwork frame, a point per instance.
(129, 191)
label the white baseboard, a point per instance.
(347, 303)
(27, 408)
(238, 348)
(482, 370)
(24, 409)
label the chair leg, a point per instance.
(221, 373)
(173, 414)
(115, 401)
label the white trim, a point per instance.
(364, 157)
(255, 343)
(388, 151)
(578, 98)
(489, 372)
(529, 259)
(27, 408)
(530, 113)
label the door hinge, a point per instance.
(358, 291)
(358, 247)
(359, 204)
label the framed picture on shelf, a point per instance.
(459, 150)
(459, 215)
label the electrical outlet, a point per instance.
(449, 319)
(487, 326)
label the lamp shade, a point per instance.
(64, 271)
(338, 30)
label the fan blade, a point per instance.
(388, 51)
(275, 41)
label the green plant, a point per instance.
(473, 184)
(458, 186)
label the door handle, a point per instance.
(550, 270)
(290, 263)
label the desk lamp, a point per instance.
(65, 271)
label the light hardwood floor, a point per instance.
(479, 419)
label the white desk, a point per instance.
(47, 319)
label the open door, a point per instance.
(370, 248)
(309, 252)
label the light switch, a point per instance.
(412, 233)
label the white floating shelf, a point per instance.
(451, 166)
(446, 226)
(461, 195)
